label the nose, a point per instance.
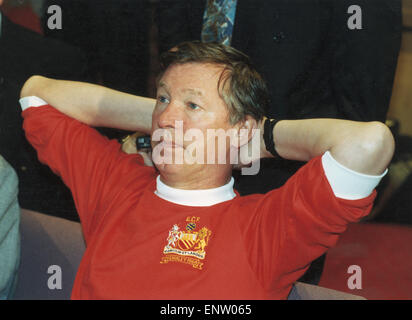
(169, 115)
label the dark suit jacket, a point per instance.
(24, 53)
(314, 65)
(116, 41)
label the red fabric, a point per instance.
(255, 247)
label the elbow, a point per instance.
(32, 86)
(379, 145)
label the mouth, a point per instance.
(170, 144)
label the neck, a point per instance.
(221, 175)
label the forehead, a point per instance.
(197, 78)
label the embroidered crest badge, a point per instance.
(187, 245)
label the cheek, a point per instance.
(156, 113)
(154, 128)
(208, 120)
(210, 117)
(219, 119)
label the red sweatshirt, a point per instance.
(140, 246)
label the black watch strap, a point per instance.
(268, 136)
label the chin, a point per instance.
(172, 169)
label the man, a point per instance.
(227, 246)
(314, 64)
(24, 53)
(9, 230)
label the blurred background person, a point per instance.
(9, 230)
(24, 52)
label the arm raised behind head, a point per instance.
(364, 147)
(93, 104)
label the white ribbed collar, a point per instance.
(195, 198)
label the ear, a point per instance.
(244, 130)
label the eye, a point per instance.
(193, 106)
(162, 99)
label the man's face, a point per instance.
(188, 102)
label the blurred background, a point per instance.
(115, 44)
